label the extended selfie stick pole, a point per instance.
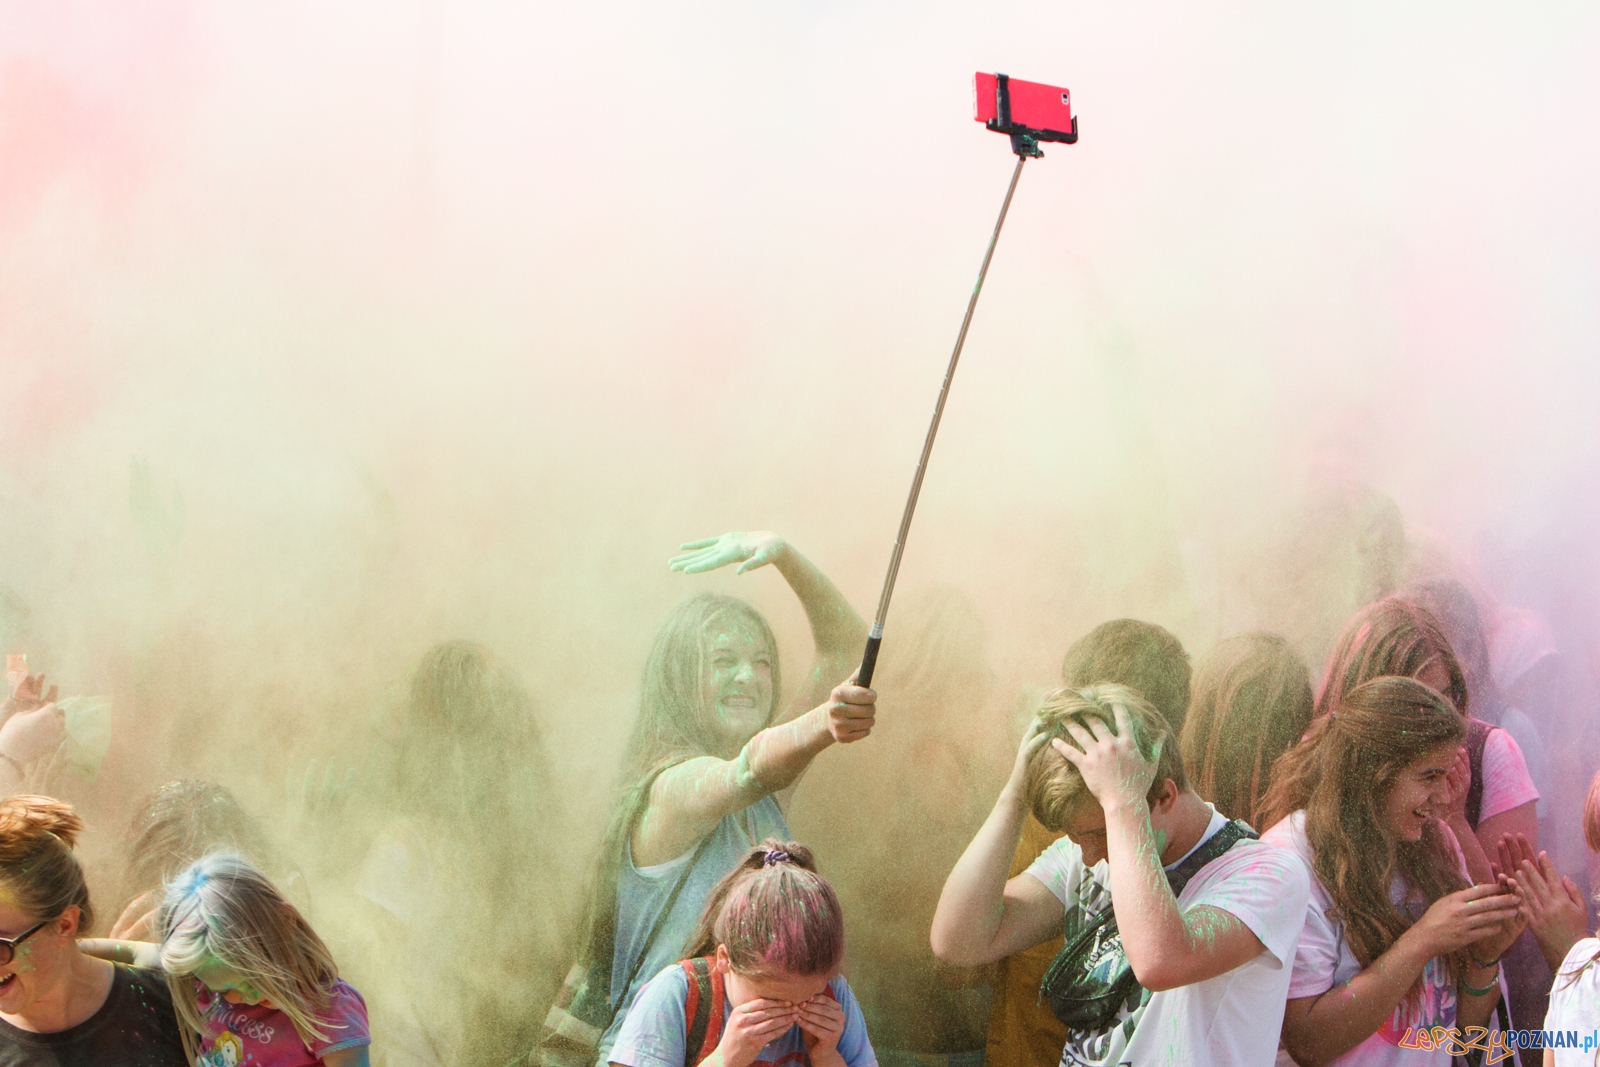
(869, 659)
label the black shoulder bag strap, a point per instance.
(1090, 979)
(1477, 738)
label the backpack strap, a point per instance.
(1477, 737)
(703, 1010)
(1219, 843)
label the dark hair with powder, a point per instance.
(37, 864)
(1252, 701)
(774, 914)
(1140, 655)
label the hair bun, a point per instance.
(773, 853)
(27, 820)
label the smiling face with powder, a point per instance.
(736, 679)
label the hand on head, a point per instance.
(1113, 768)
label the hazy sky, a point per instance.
(432, 320)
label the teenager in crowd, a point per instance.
(714, 743)
(463, 870)
(175, 825)
(761, 984)
(1491, 793)
(58, 1006)
(1023, 1032)
(1180, 927)
(1397, 939)
(1252, 701)
(1452, 603)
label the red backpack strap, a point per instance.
(703, 1011)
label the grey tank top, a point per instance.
(642, 894)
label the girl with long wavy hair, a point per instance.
(1397, 940)
(1491, 793)
(713, 747)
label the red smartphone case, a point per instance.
(1011, 105)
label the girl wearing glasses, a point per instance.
(58, 1006)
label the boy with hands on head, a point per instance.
(1179, 925)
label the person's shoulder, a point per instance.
(1578, 957)
(671, 983)
(1272, 861)
(346, 999)
(344, 1020)
(150, 985)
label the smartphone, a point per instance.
(1011, 105)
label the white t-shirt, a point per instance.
(1575, 1003)
(1506, 782)
(1232, 1019)
(1323, 960)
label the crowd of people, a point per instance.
(1214, 864)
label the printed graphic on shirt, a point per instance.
(1435, 1007)
(1105, 962)
(226, 1051)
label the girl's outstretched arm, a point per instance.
(688, 800)
(348, 1057)
(837, 632)
(137, 953)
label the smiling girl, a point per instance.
(1396, 938)
(714, 745)
(251, 981)
(762, 986)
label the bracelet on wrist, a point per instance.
(1484, 965)
(1473, 991)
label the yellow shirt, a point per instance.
(1022, 1031)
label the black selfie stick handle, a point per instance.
(869, 658)
(869, 662)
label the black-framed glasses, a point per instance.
(8, 946)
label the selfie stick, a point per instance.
(1025, 143)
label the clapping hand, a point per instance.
(1551, 903)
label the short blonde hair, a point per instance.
(1055, 787)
